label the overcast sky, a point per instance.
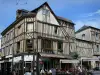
(81, 12)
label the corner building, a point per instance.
(41, 31)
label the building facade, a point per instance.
(53, 37)
(90, 35)
(39, 30)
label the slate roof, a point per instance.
(65, 19)
(84, 40)
(86, 27)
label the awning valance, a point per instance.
(90, 59)
(54, 55)
(69, 61)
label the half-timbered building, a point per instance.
(41, 31)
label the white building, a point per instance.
(91, 43)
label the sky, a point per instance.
(81, 12)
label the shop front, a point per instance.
(66, 64)
(5, 66)
(89, 63)
(50, 61)
(20, 64)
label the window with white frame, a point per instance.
(29, 27)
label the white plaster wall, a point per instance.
(39, 16)
(87, 33)
(84, 48)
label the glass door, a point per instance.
(28, 67)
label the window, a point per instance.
(7, 37)
(3, 51)
(97, 35)
(18, 47)
(11, 34)
(97, 47)
(10, 51)
(60, 46)
(29, 43)
(46, 15)
(6, 48)
(29, 27)
(19, 30)
(19, 27)
(83, 36)
(55, 30)
(46, 44)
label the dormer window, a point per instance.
(83, 36)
